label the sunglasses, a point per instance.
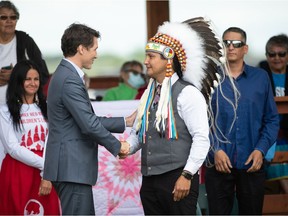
(135, 72)
(235, 43)
(4, 17)
(273, 54)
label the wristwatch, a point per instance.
(187, 175)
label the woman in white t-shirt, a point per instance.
(23, 131)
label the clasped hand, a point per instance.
(125, 149)
(45, 187)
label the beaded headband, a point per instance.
(171, 46)
(166, 51)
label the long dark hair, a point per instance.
(15, 91)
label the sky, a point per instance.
(123, 28)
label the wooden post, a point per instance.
(157, 13)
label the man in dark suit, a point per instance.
(71, 161)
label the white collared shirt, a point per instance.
(79, 71)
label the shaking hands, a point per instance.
(125, 149)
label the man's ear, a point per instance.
(80, 49)
(246, 48)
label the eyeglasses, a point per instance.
(4, 17)
(235, 43)
(273, 54)
(135, 72)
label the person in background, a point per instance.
(15, 46)
(71, 161)
(140, 92)
(142, 89)
(172, 127)
(277, 69)
(131, 79)
(23, 131)
(247, 132)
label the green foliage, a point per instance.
(106, 64)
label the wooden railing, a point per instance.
(277, 204)
(282, 104)
(103, 82)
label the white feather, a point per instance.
(193, 45)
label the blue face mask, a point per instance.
(135, 80)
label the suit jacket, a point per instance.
(75, 131)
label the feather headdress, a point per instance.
(200, 53)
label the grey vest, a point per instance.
(160, 155)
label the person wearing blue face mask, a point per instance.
(131, 79)
(136, 80)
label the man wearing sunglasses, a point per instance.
(248, 131)
(276, 64)
(276, 67)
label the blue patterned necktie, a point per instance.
(157, 96)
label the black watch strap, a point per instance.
(187, 175)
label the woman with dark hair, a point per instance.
(23, 131)
(16, 46)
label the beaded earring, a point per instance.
(169, 72)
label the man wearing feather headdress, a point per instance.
(173, 132)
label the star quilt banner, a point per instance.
(117, 189)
